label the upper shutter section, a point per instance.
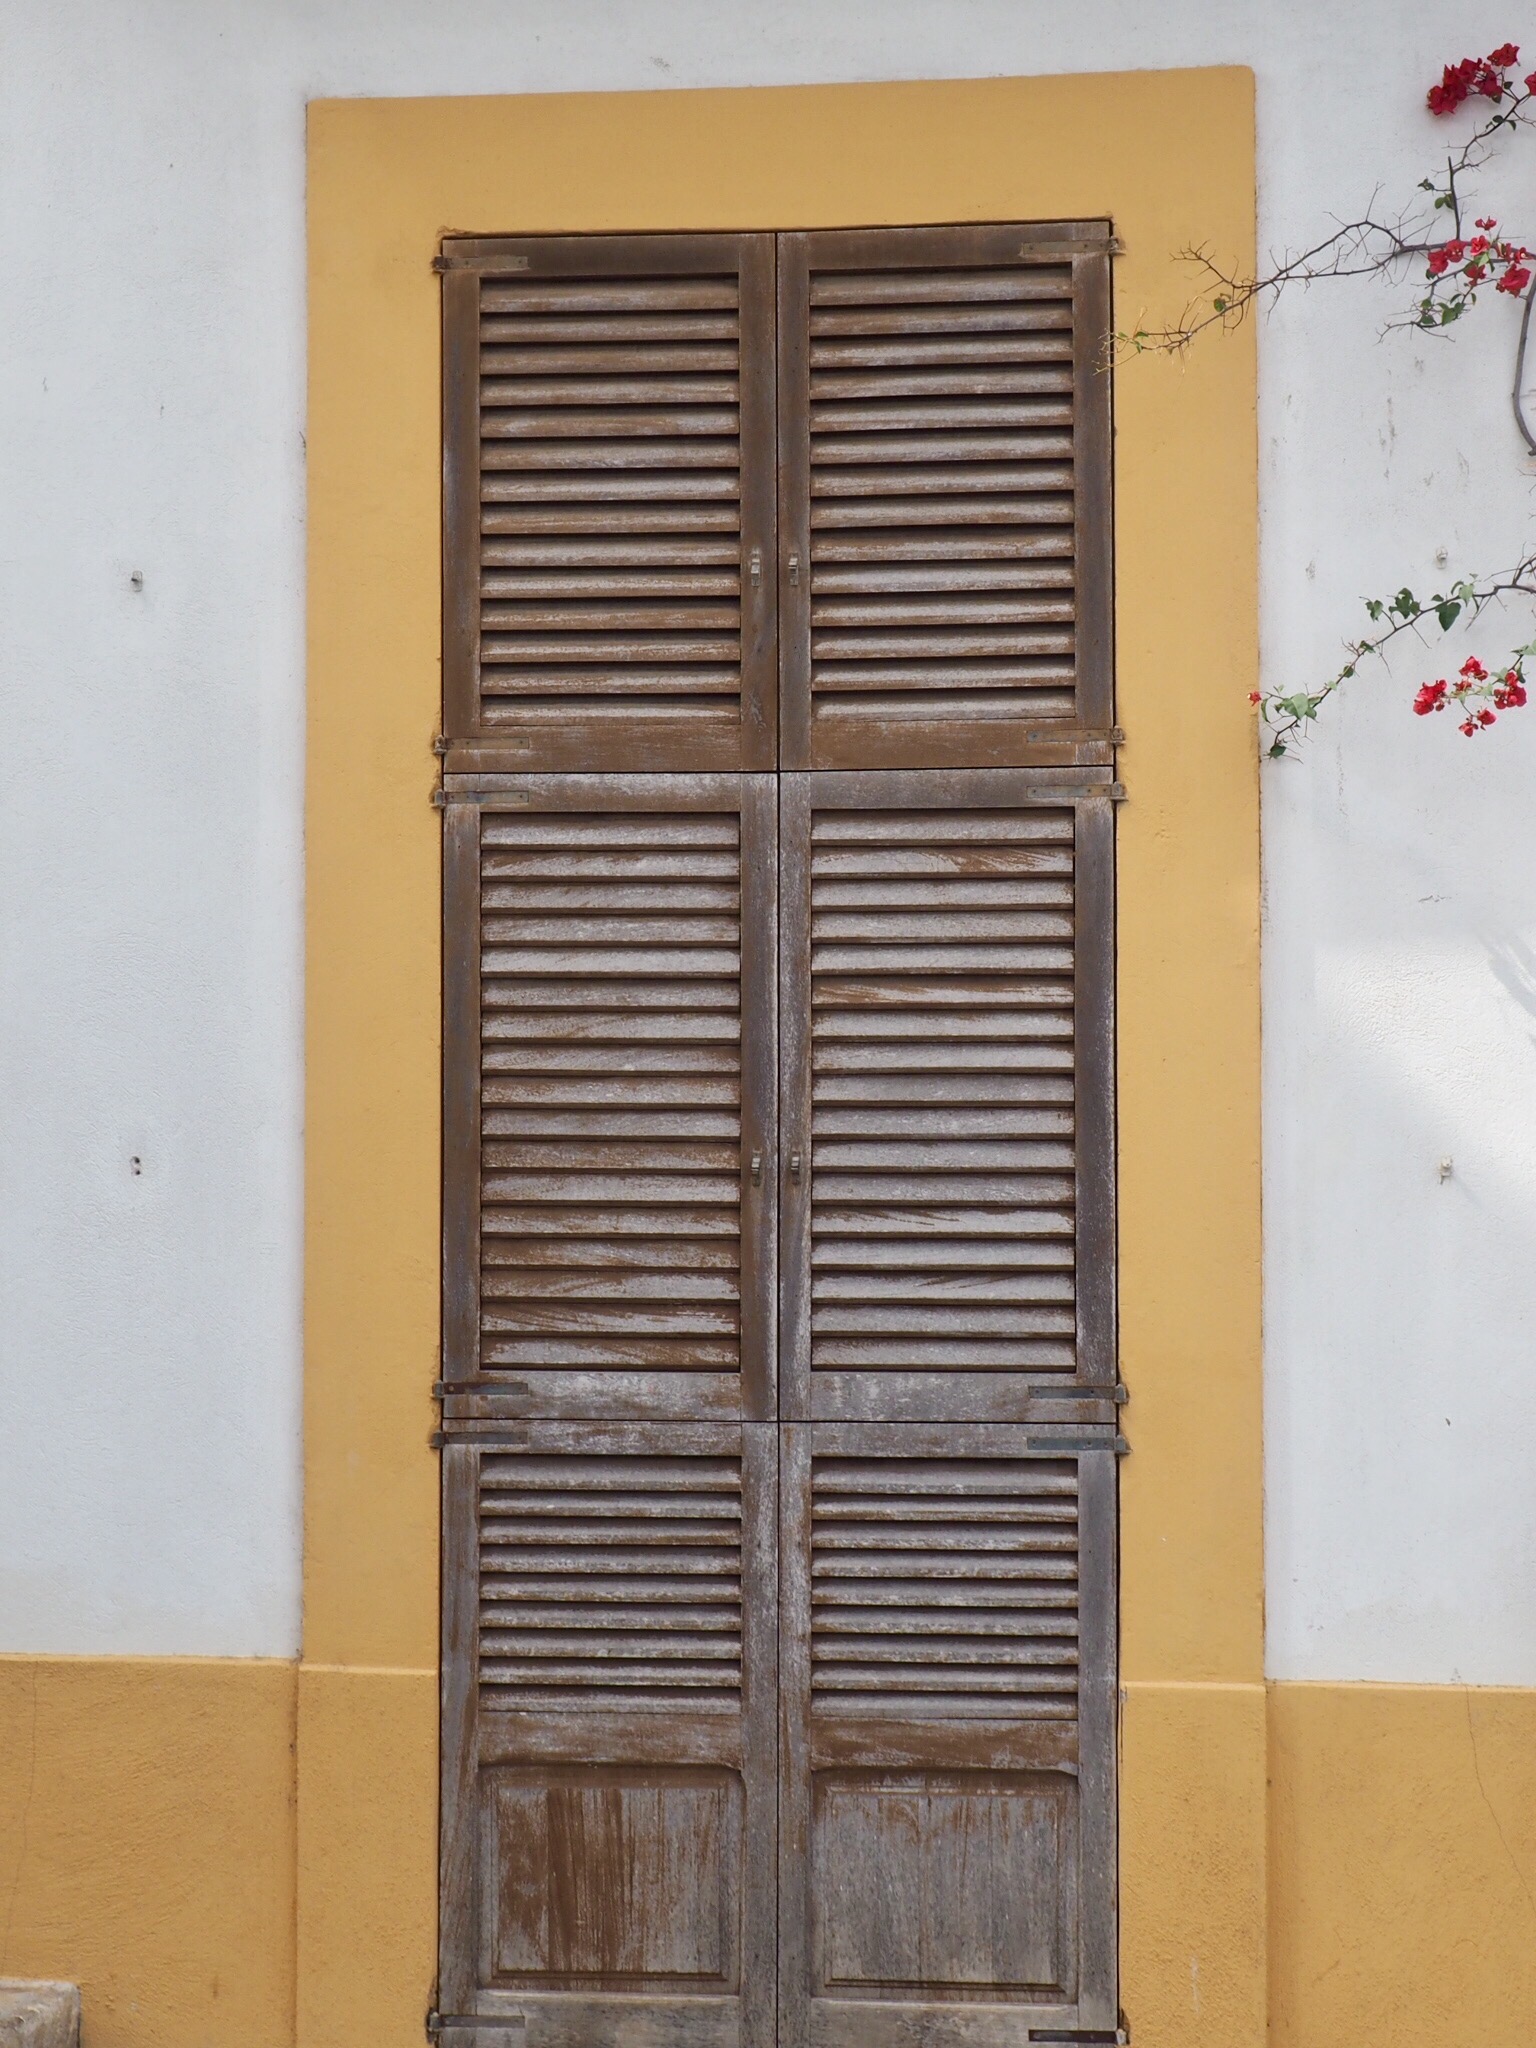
(608, 433)
(945, 496)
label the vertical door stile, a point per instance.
(461, 1093)
(795, 1214)
(759, 1091)
(459, 1686)
(1092, 473)
(761, 1693)
(794, 1617)
(759, 506)
(1093, 1043)
(794, 494)
(1097, 1723)
(461, 503)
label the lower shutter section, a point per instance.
(946, 1775)
(608, 1737)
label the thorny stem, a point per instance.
(1518, 393)
(1364, 248)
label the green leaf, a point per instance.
(1447, 614)
(1220, 305)
(1375, 607)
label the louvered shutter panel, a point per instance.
(609, 1806)
(610, 502)
(609, 1106)
(946, 1773)
(945, 496)
(947, 1227)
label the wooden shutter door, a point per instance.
(947, 1644)
(609, 1802)
(778, 1382)
(944, 496)
(609, 498)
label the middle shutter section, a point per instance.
(947, 1224)
(609, 1119)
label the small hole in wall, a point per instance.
(135, 1164)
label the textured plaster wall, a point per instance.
(150, 908)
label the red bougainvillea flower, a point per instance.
(1483, 75)
(1514, 280)
(1439, 263)
(1510, 694)
(1455, 84)
(1470, 728)
(1490, 225)
(1474, 670)
(1255, 696)
(1530, 83)
(1431, 697)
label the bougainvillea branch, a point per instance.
(1477, 694)
(1456, 266)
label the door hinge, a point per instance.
(508, 2027)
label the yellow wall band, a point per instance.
(147, 1850)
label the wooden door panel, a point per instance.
(944, 496)
(609, 494)
(948, 1215)
(609, 1699)
(609, 1104)
(946, 1771)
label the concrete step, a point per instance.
(38, 2015)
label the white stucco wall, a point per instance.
(151, 239)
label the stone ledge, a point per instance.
(38, 2015)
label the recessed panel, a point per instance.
(953, 1885)
(612, 1879)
